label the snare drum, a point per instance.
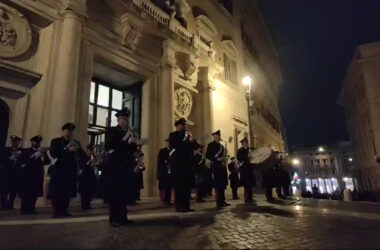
(263, 157)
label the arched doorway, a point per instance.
(4, 124)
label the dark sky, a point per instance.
(316, 41)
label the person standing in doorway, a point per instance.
(87, 178)
(165, 174)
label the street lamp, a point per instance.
(296, 162)
(247, 81)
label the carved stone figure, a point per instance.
(8, 35)
(129, 32)
(190, 70)
(15, 32)
(183, 102)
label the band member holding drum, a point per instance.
(216, 155)
(9, 168)
(181, 159)
(121, 144)
(247, 175)
(67, 155)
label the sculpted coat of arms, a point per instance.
(15, 32)
(183, 102)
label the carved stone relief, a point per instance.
(183, 102)
(15, 32)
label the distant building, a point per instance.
(327, 167)
(360, 98)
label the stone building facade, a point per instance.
(81, 61)
(360, 98)
(327, 167)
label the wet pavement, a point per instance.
(287, 224)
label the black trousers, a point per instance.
(282, 190)
(182, 197)
(220, 196)
(118, 210)
(234, 190)
(60, 205)
(167, 195)
(201, 192)
(268, 193)
(7, 199)
(28, 203)
(248, 193)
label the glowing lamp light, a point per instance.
(321, 149)
(247, 81)
(350, 159)
(296, 162)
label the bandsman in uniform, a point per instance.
(165, 174)
(87, 178)
(216, 155)
(234, 178)
(181, 159)
(121, 144)
(200, 171)
(32, 174)
(9, 173)
(247, 175)
(67, 155)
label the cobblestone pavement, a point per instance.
(262, 225)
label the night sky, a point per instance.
(316, 41)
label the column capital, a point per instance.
(169, 51)
(73, 9)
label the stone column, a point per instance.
(65, 79)
(205, 94)
(166, 93)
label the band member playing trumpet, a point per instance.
(9, 168)
(32, 173)
(216, 154)
(67, 155)
(121, 144)
(247, 175)
(181, 159)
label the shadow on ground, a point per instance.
(243, 211)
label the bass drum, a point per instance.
(263, 158)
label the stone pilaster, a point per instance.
(65, 79)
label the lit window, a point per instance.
(103, 95)
(117, 99)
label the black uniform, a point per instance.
(181, 160)
(118, 175)
(247, 175)
(139, 176)
(200, 172)
(284, 182)
(215, 153)
(31, 178)
(63, 174)
(234, 179)
(9, 176)
(270, 180)
(164, 176)
(87, 183)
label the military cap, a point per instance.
(180, 121)
(124, 112)
(216, 132)
(15, 138)
(245, 139)
(36, 138)
(69, 126)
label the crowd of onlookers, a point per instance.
(338, 195)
